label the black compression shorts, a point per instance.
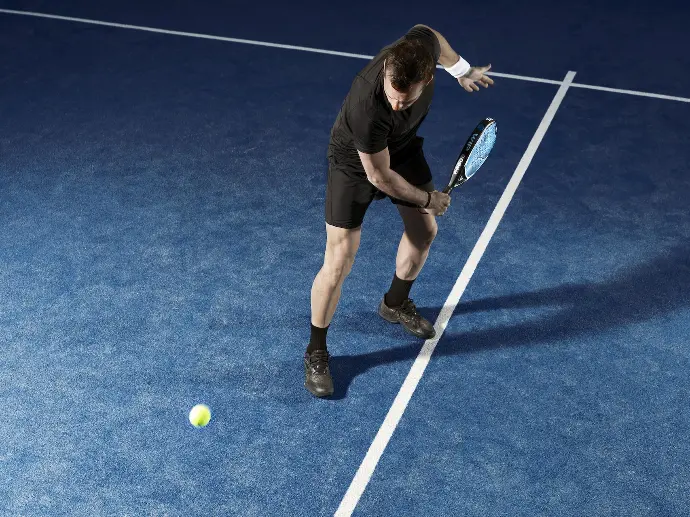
(348, 195)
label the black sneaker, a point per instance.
(317, 374)
(407, 315)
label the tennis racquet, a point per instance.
(473, 154)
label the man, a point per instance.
(374, 152)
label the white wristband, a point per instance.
(459, 69)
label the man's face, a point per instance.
(402, 100)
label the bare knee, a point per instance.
(336, 267)
(424, 237)
(431, 235)
(341, 248)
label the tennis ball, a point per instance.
(200, 415)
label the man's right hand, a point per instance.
(439, 203)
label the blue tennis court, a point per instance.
(162, 189)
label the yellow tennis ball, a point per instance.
(200, 415)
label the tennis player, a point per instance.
(374, 152)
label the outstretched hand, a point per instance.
(476, 74)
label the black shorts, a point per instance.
(349, 193)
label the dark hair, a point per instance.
(409, 62)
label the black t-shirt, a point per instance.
(367, 122)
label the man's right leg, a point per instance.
(341, 248)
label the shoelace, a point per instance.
(408, 308)
(318, 360)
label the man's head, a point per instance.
(408, 68)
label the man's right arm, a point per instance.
(379, 173)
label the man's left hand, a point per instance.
(476, 74)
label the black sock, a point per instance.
(399, 292)
(318, 339)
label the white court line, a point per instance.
(319, 51)
(180, 33)
(525, 78)
(366, 469)
(630, 92)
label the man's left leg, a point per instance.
(397, 307)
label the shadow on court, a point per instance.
(636, 294)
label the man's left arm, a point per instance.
(459, 68)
